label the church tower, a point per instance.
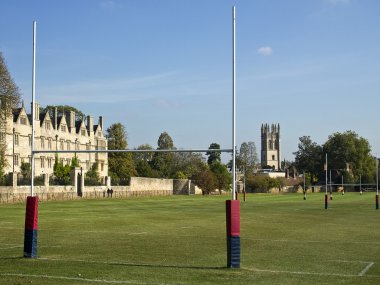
(270, 146)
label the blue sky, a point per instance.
(310, 65)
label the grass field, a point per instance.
(182, 240)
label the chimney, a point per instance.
(71, 121)
(90, 124)
(101, 122)
(36, 110)
(55, 114)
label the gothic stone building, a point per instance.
(270, 146)
(59, 132)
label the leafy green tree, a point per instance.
(262, 183)
(223, 177)
(213, 155)
(61, 109)
(25, 169)
(75, 162)
(247, 157)
(309, 158)
(92, 176)
(9, 98)
(205, 179)
(120, 164)
(349, 149)
(142, 162)
(186, 163)
(162, 162)
(61, 172)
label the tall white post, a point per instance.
(377, 175)
(233, 108)
(326, 173)
(33, 104)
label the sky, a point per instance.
(310, 65)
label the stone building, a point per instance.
(270, 146)
(60, 132)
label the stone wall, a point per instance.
(147, 184)
(139, 186)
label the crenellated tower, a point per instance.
(270, 146)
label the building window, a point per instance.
(102, 166)
(42, 142)
(87, 164)
(49, 143)
(16, 139)
(88, 146)
(77, 144)
(16, 159)
(42, 162)
(47, 125)
(273, 157)
(62, 144)
(68, 145)
(83, 132)
(30, 140)
(99, 134)
(50, 162)
(63, 128)
(23, 121)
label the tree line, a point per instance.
(209, 175)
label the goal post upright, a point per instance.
(377, 183)
(233, 205)
(31, 213)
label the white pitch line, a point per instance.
(364, 271)
(10, 247)
(306, 273)
(135, 234)
(79, 279)
(309, 241)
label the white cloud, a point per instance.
(102, 91)
(107, 4)
(337, 2)
(265, 51)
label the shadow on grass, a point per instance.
(126, 264)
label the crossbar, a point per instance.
(132, 150)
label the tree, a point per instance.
(162, 162)
(309, 158)
(263, 183)
(142, 161)
(186, 164)
(165, 141)
(213, 155)
(120, 164)
(348, 149)
(61, 109)
(9, 98)
(247, 158)
(223, 177)
(25, 169)
(205, 179)
(92, 176)
(61, 172)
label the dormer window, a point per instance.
(83, 132)
(63, 128)
(23, 120)
(47, 125)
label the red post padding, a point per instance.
(31, 217)
(233, 218)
